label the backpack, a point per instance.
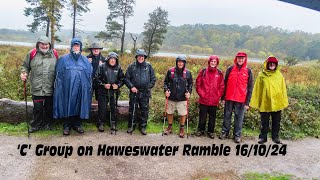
(33, 53)
(172, 70)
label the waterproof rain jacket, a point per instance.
(42, 68)
(239, 82)
(210, 84)
(269, 92)
(72, 95)
(177, 84)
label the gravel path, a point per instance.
(302, 159)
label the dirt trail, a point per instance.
(302, 159)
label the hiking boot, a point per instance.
(143, 131)
(181, 133)
(276, 140)
(66, 131)
(237, 139)
(262, 140)
(168, 130)
(199, 133)
(130, 130)
(100, 127)
(78, 129)
(113, 127)
(33, 129)
(223, 136)
(211, 135)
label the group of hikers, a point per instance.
(62, 88)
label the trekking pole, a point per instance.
(187, 117)
(25, 98)
(134, 111)
(165, 115)
(110, 115)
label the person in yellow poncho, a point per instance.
(270, 97)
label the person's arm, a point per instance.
(199, 82)
(128, 77)
(249, 87)
(25, 68)
(121, 78)
(153, 78)
(190, 83)
(226, 82)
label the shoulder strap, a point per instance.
(184, 73)
(33, 53)
(204, 72)
(172, 72)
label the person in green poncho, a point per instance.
(270, 97)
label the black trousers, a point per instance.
(204, 110)
(42, 111)
(72, 121)
(141, 102)
(103, 101)
(265, 117)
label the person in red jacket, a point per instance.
(210, 88)
(238, 90)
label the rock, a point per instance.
(15, 111)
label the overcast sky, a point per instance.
(243, 12)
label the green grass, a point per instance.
(266, 176)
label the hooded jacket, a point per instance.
(95, 62)
(177, 84)
(141, 76)
(72, 94)
(41, 69)
(210, 84)
(239, 82)
(269, 92)
(107, 74)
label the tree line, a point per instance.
(260, 41)
(47, 15)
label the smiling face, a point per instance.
(180, 64)
(272, 66)
(44, 47)
(112, 61)
(213, 63)
(140, 58)
(240, 60)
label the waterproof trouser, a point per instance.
(141, 102)
(42, 111)
(103, 100)
(265, 117)
(203, 111)
(238, 117)
(72, 121)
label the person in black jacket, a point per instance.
(177, 88)
(109, 78)
(140, 79)
(95, 58)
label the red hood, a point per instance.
(241, 54)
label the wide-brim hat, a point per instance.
(95, 46)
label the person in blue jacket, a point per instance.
(73, 86)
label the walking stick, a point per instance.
(25, 98)
(187, 117)
(110, 111)
(165, 115)
(134, 111)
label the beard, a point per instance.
(44, 51)
(76, 52)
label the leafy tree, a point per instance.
(290, 61)
(77, 7)
(120, 10)
(51, 11)
(154, 30)
(40, 17)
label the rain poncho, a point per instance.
(269, 92)
(72, 94)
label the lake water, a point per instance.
(59, 46)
